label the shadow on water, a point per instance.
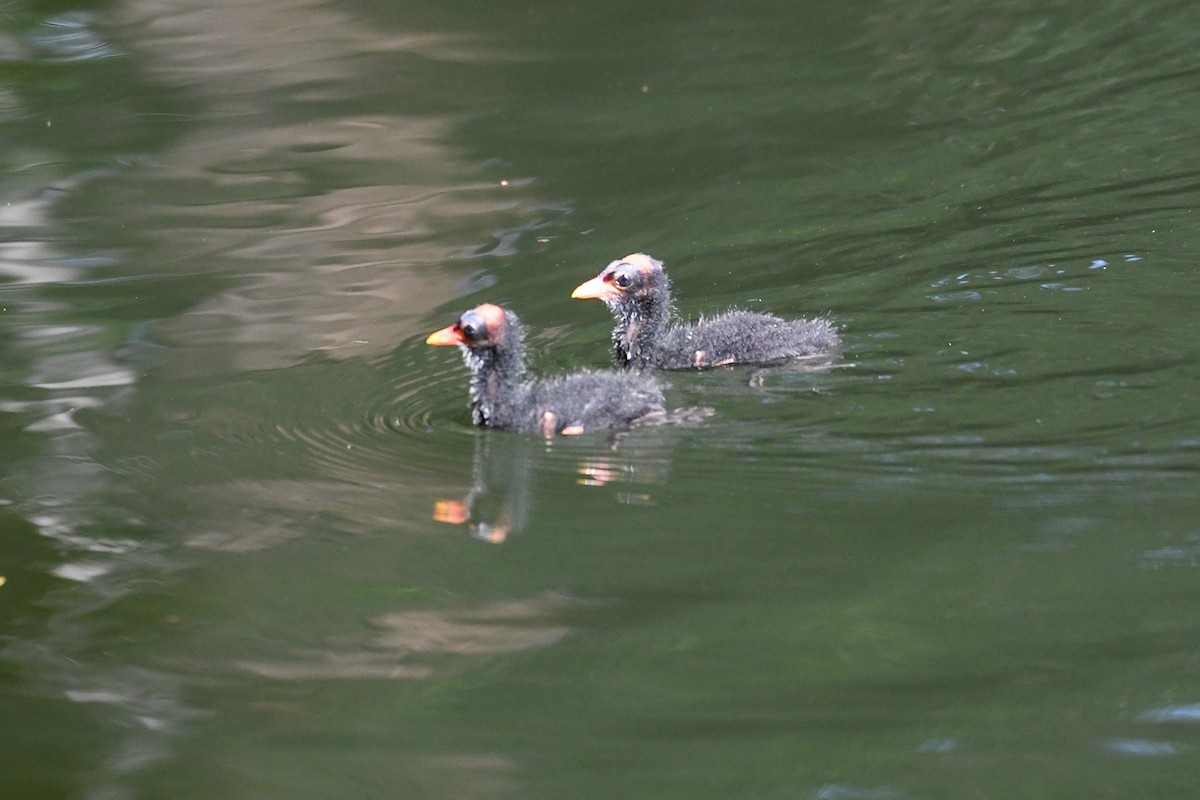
(241, 506)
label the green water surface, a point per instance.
(251, 547)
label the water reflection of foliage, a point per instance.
(407, 644)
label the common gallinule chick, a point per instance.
(637, 291)
(492, 342)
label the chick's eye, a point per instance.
(467, 329)
(622, 280)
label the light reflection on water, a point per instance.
(320, 234)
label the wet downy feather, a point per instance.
(648, 335)
(503, 396)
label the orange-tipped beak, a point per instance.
(445, 336)
(595, 289)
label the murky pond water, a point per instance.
(250, 545)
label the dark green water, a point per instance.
(963, 563)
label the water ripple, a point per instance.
(974, 286)
(71, 37)
(359, 422)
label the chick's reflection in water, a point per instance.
(500, 502)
